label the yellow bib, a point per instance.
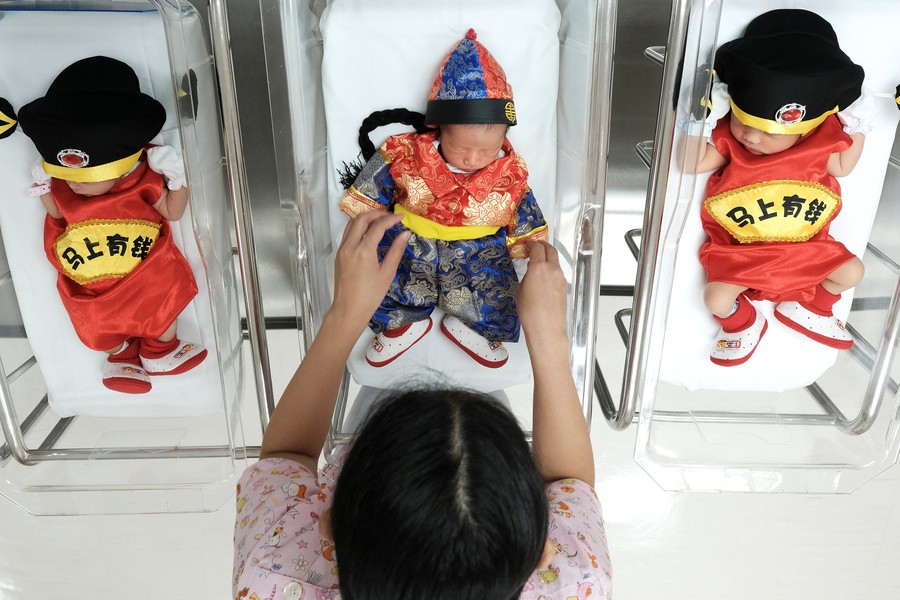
(774, 211)
(104, 248)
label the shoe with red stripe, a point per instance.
(491, 354)
(387, 346)
(170, 358)
(122, 371)
(736, 347)
(825, 329)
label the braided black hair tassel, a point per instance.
(349, 171)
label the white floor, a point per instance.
(695, 546)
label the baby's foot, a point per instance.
(736, 347)
(388, 345)
(491, 354)
(122, 371)
(171, 358)
(825, 329)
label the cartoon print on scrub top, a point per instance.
(276, 494)
(580, 570)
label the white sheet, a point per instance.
(36, 46)
(381, 55)
(784, 359)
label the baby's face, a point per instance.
(471, 147)
(92, 188)
(759, 142)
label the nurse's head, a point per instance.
(439, 498)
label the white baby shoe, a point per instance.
(491, 354)
(184, 357)
(826, 330)
(735, 348)
(126, 378)
(388, 345)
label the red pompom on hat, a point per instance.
(470, 88)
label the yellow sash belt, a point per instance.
(427, 228)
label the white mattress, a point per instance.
(690, 330)
(36, 46)
(381, 55)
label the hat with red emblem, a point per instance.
(94, 121)
(470, 88)
(787, 73)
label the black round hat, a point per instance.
(93, 122)
(787, 73)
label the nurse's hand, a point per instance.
(360, 279)
(541, 297)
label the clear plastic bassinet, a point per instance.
(798, 416)
(73, 447)
(344, 59)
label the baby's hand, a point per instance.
(719, 105)
(858, 117)
(165, 161)
(40, 181)
(713, 107)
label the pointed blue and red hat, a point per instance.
(470, 88)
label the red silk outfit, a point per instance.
(120, 273)
(767, 217)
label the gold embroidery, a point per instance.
(510, 110)
(354, 204)
(104, 248)
(774, 211)
(516, 245)
(495, 209)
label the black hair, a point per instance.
(439, 498)
(349, 171)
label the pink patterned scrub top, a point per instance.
(279, 553)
